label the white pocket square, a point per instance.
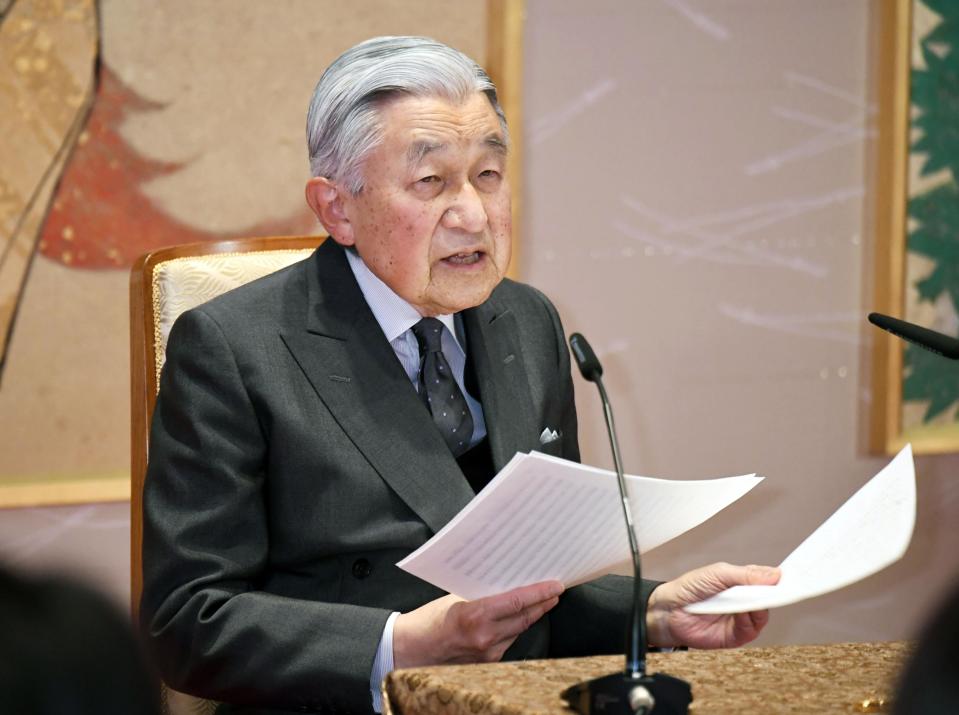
(548, 436)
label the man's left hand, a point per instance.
(667, 624)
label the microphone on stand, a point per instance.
(923, 337)
(632, 692)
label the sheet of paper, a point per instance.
(547, 518)
(869, 532)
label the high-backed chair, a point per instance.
(164, 284)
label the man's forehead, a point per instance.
(429, 124)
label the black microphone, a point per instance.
(586, 360)
(923, 337)
(632, 692)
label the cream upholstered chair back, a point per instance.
(164, 284)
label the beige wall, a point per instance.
(698, 203)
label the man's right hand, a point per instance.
(451, 630)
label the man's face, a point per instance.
(433, 218)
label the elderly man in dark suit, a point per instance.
(316, 426)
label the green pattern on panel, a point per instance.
(935, 213)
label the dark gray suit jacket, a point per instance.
(292, 465)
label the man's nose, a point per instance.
(467, 211)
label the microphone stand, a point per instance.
(632, 692)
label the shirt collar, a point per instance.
(394, 315)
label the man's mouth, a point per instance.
(464, 259)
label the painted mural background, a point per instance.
(127, 125)
(930, 384)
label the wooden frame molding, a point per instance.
(890, 221)
(504, 63)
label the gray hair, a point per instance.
(342, 125)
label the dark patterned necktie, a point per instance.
(438, 388)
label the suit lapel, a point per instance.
(496, 356)
(353, 369)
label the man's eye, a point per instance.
(429, 179)
(489, 174)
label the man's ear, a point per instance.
(326, 199)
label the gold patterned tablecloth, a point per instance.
(837, 678)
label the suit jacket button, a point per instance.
(362, 568)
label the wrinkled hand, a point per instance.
(667, 624)
(451, 630)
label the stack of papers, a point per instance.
(547, 518)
